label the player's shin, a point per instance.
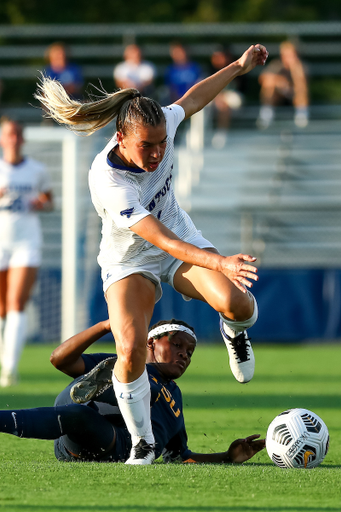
(2, 329)
(13, 343)
(134, 402)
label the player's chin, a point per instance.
(179, 370)
(174, 372)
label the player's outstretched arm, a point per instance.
(202, 93)
(67, 357)
(237, 268)
(240, 451)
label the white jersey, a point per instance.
(123, 196)
(19, 185)
(138, 74)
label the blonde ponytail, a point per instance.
(83, 118)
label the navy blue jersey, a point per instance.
(166, 410)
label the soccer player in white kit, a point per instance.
(148, 238)
(24, 190)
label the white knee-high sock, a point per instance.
(233, 328)
(14, 340)
(134, 402)
(2, 328)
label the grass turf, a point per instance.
(217, 410)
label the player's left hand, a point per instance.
(243, 449)
(254, 56)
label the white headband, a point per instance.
(165, 328)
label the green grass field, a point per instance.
(217, 410)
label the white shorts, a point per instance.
(19, 256)
(156, 271)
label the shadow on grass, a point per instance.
(281, 402)
(271, 465)
(22, 401)
(54, 376)
(265, 378)
(17, 400)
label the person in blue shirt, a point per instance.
(182, 74)
(59, 68)
(95, 430)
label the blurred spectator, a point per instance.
(284, 82)
(229, 99)
(135, 72)
(182, 74)
(59, 68)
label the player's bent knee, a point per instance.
(238, 308)
(241, 310)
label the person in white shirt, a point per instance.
(134, 72)
(24, 190)
(148, 238)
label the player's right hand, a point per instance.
(243, 449)
(239, 272)
(254, 56)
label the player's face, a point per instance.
(145, 147)
(11, 137)
(173, 356)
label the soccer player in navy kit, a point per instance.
(147, 238)
(95, 431)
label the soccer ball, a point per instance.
(297, 438)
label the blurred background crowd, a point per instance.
(163, 59)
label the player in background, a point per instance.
(147, 237)
(95, 431)
(24, 190)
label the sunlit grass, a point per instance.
(217, 410)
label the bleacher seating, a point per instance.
(275, 194)
(97, 48)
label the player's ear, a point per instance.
(119, 137)
(150, 343)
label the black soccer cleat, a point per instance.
(93, 383)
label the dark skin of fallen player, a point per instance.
(171, 354)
